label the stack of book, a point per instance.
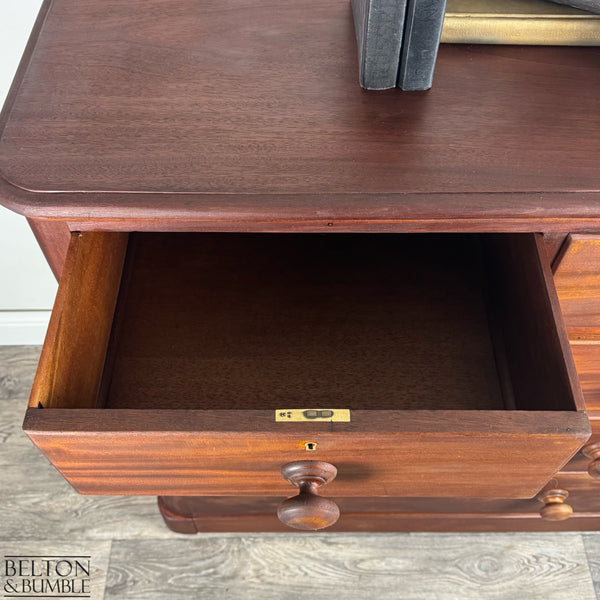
(397, 42)
(398, 39)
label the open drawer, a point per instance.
(168, 357)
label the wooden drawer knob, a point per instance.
(593, 451)
(308, 510)
(555, 508)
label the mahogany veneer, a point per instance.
(226, 116)
(448, 349)
(236, 115)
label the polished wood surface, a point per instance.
(529, 324)
(191, 514)
(487, 221)
(308, 511)
(577, 276)
(587, 361)
(362, 321)
(592, 451)
(276, 321)
(436, 453)
(223, 111)
(160, 119)
(54, 238)
(70, 369)
(186, 437)
(555, 506)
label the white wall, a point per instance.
(27, 286)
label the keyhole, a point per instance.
(310, 446)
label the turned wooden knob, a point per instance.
(555, 508)
(308, 510)
(593, 451)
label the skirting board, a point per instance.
(23, 327)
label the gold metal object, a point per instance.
(307, 415)
(531, 22)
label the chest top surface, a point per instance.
(193, 108)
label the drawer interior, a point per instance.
(167, 354)
(265, 321)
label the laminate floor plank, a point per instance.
(591, 542)
(349, 566)
(37, 503)
(99, 553)
(17, 369)
(11, 419)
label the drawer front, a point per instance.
(586, 354)
(110, 437)
(194, 514)
(577, 278)
(587, 460)
(380, 453)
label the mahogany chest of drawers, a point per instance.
(242, 234)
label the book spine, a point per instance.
(379, 25)
(491, 29)
(424, 20)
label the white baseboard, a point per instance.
(23, 327)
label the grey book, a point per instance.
(592, 6)
(422, 31)
(379, 25)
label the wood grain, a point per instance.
(36, 503)
(501, 217)
(72, 360)
(195, 434)
(577, 277)
(334, 566)
(191, 514)
(307, 510)
(435, 453)
(275, 321)
(553, 242)
(54, 237)
(591, 543)
(533, 334)
(587, 362)
(11, 431)
(369, 321)
(170, 115)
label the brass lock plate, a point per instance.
(307, 415)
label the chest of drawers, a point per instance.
(241, 231)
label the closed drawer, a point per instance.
(169, 355)
(577, 275)
(586, 353)
(577, 278)
(256, 513)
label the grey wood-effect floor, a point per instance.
(135, 556)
